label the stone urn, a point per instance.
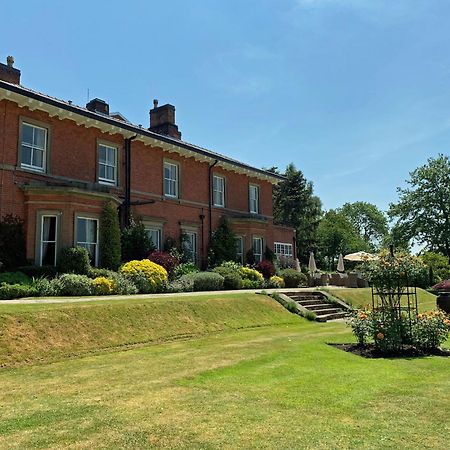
(443, 301)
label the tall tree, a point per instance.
(369, 221)
(423, 209)
(110, 245)
(295, 205)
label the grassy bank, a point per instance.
(44, 332)
(359, 298)
(260, 388)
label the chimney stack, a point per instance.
(162, 120)
(8, 72)
(99, 106)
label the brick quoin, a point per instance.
(70, 185)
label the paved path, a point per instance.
(30, 301)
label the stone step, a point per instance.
(334, 316)
(316, 307)
(324, 312)
(306, 296)
(307, 303)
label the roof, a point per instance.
(82, 116)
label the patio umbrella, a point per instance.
(360, 256)
(312, 263)
(340, 266)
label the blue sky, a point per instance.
(355, 92)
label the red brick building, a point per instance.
(59, 164)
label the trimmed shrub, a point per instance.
(136, 244)
(251, 284)
(147, 276)
(14, 278)
(121, 284)
(44, 287)
(232, 278)
(207, 281)
(185, 269)
(11, 291)
(293, 279)
(266, 268)
(12, 242)
(74, 260)
(251, 274)
(223, 244)
(72, 284)
(165, 260)
(276, 282)
(182, 284)
(109, 242)
(430, 330)
(103, 286)
(231, 265)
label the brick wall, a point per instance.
(73, 156)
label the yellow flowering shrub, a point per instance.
(250, 274)
(276, 281)
(148, 276)
(103, 286)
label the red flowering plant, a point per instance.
(266, 268)
(165, 260)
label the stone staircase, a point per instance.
(318, 303)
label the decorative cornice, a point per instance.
(32, 100)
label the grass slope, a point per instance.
(43, 332)
(359, 298)
(261, 388)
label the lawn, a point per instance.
(359, 298)
(270, 386)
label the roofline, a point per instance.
(132, 128)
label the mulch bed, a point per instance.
(408, 351)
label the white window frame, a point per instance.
(193, 235)
(77, 243)
(107, 163)
(253, 200)
(158, 245)
(258, 256)
(42, 242)
(34, 148)
(175, 180)
(219, 194)
(283, 249)
(240, 249)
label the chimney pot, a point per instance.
(155, 103)
(8, 72)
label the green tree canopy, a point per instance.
(423, 209)
(336, 234)
(223, 244)
(295, 205)
(369, 221)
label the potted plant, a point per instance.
(443, 299)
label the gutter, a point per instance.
(210, 168)
(127, 202)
